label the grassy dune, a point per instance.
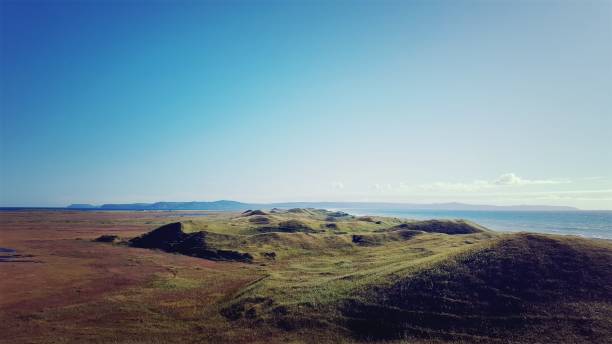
(374, 278)
(520, 288)
(315, 276)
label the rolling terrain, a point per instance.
(296, 275)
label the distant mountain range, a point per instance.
(225, 205)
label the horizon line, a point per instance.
(99, 205)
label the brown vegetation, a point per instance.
(139, 277)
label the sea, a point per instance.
(592, 224)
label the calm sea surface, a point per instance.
(596, 224)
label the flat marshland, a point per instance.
(298, 275)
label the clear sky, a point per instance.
(496, 102)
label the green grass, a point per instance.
(518, 287)
(386, 279)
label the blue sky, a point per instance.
(498, 102)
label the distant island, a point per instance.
(227, 205)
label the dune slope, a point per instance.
(523, 287)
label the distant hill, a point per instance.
(417, 206)
(81, 206)
(222, 205)
(226, 205)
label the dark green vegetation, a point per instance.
(332, 277)
(172, 238)
(519, 288)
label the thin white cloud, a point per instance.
(505, 180)
(382, 187)
(337, 185)
(513, 179)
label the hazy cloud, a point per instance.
(337, 185)
(382, 187)
(505, 180)
(513, 179)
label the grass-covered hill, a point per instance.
(521, 288)
(332, 277)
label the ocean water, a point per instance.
(594, 224)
